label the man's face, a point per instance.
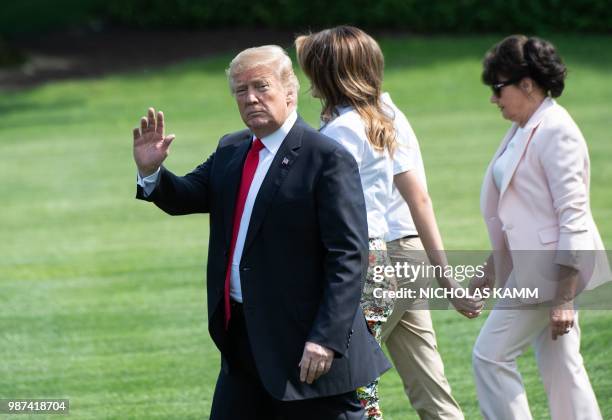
(263, 101)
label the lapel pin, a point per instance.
(285, 161)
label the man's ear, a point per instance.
(291, 98)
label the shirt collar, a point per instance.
(273, 141)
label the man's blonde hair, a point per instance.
(270, 56)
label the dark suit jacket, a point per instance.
(304, 259)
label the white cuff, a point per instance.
(148, 183)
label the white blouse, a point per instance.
(375, 167)
(407, 157)
(501, 164)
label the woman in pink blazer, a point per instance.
(535, 202)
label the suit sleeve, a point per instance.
(343, 230)
(564, 158)
(178, 195)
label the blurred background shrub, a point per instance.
(418, 16)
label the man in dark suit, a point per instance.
(287, 252)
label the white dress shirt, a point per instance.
(272, 143)
(407, 157)
(375, 167)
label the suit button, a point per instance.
(243, 269)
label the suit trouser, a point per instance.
(411, 341)
(506, 334)
(240, 394)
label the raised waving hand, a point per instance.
(151, 145)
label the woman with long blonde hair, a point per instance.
(345, 67)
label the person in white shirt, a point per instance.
(409, 333)
(345, 67)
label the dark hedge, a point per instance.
(419, 16)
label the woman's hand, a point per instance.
(562, 314)
(468, 307)
(561, 320)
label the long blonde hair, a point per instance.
(345, 66)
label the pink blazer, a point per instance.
(543, 206)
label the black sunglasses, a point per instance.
(497, 87)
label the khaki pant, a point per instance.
(411, 341)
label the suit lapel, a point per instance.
(490, 196)
(280, 167)
(522, 143)
(231, 182)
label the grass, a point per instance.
(102, 297)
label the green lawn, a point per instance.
(102, 297)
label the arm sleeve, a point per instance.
(406, 156)
(343, 230)
(563, 157)
(179, 195)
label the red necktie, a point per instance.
(248, 172)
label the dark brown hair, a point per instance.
(518, 56)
